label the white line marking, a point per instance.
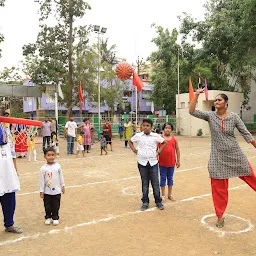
(96, 183)
(205, 195)
(28, 193)
(93, 222)
(122, 179)
(134, 191)
(194, 168)
(81, 161)
(100, 182)
(130, 178)
(125, 189)
(222, 232)
(74, 186)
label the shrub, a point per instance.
(200, 132)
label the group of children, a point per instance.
(151, 149)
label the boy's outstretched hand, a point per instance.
(63, 190)
(42, 195)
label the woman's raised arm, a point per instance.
(194, 101)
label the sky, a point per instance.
(128, 24)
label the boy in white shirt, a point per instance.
(51, 186)
(147, 154)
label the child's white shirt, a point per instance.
(51, 179)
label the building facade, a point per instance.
(189, 125)
(47, 102)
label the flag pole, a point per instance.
(178, 107)
(136, 104)
(56, 113)
(81, 109)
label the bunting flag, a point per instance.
(152, 107)
(137, 81)
(81, 96)
(206, 90)
(191, 90)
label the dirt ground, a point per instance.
(100, 210)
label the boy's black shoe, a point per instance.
(144, 207)
(160, 206)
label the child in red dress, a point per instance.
(169, 157)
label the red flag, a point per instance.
(206, 90)
(191, 90)
(137, 81)
(81, 96)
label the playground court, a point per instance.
(100, 211)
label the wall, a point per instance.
(48, 103)
(190, 125)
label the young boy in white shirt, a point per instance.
(51, 186)
(147, 154)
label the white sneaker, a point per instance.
(55, 222)
(48, 221)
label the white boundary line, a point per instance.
(222, 232)
(124, 191)
(96, 221)
(83, 185)
(109, 181)
(191, 169)
(81, 162)
(96, 183)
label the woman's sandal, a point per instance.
(171, 198)
(14, 230)
(163, 199)
(220, 224)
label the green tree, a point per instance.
(227, 35)
(61, 53)
(192, 63)
(12, 76)
(1, 35)
(108, 54)
(164, 71)
(112, 87)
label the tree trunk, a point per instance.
(69, 112)
(70, 64)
